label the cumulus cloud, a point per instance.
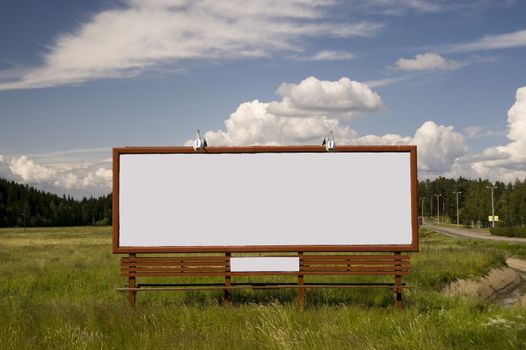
(321, 97)
(307, 112)
(80, 178)
(439, 147)
(99, 178)
(31, 172)
(426, 62)
(387, 139)
(507, 161)
(313, 103)
(145, 34)
(253, 124)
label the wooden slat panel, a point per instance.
(355, 263)
(390, 259)
(365, 273)
(203, 266)
(364, 269)
(173, 258)
(357, 257)
(175, 269)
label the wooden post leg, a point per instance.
(398, 281)
(132, 284)
(228, 283)
(131, 296)
(301, 283)
(398, 292)
(301, 291)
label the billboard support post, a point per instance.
(301, 283)
(131, 282)
(228, 281)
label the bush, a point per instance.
(103, 222)
(509, 231)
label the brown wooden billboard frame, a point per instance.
(411, 149)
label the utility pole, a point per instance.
(457, 193)
(423, 202)
(492, 206)
(438, 208)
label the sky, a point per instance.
(80, 77)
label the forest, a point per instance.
(23, 205)
(438, 200)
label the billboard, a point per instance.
(260, 198)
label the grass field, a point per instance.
(57, 291)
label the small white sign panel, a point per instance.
(265, 264)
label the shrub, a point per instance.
(509, 231)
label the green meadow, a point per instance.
(58, 291)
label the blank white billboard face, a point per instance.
(252, 199)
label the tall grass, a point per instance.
(57, 291)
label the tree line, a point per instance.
(474, 201)
(23, 205)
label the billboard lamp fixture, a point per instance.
(329, 142)
(199, 143)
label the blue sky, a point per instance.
(79, 77)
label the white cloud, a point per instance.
(396, 7)
(31, 172)
(425, 62)
(253, 124)
(307, 112)
(387, 139)
(67, 181)
(145, 35)
(492, 42)
(313, 102)
(387, 81)
(99, 178)
(79, 178)
(439, 147)
(507, 161)
(401, 7)
(331, 55)
(320, 97)
(1, 159)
